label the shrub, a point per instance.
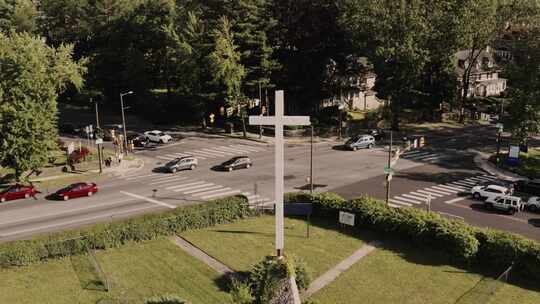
(167, 299)
(102, 236)
(240, 292)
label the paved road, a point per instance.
(442, 168)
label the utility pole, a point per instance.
(389, 174)
(311, 164)
(100, 157)
(261, 108)
(124, 120)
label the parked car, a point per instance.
(501, 183)
(378, 134)
(76, 190)
(489, 191)
(236, 163)
(528, 186)
(182, 163)
(507, 203)
(17, 192)
(139, 140)
(158, 136)
(533, 204)
(360, 141)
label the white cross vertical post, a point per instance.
(279, 120)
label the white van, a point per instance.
(507, 203)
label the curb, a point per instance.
(481, 161)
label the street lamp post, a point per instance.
(124, 119)
(95, 137)
(311, 164)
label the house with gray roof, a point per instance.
(484, 80)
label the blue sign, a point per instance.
(298, 208)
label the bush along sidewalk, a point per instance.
(115, 234)
(462, 243)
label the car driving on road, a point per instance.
(236, 163)
(158, 136)
(76, 190)
(17, 192)
(533, 204)
(360, 141)
(489, 191)
(181, 163)
(509, 204)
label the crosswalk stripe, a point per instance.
(489, 177)
(178, 178)
(197, 153)
(438, 191)
(394, 206)
(163, 177)
(429, 192)
(202, 190)
(141, 176)
(165, 157)
(446, 189)
(452, 187)
(408, 200)
(420, 194)
(428, 157)
(213, 191)
(184, 185)
(399, 202)
(412, 153)
(416, 198)
(471, 180)
(193, 187)
(477, 179)
(455, 200)
(461, 184)
(186, 155)
(415, 156)
(218, 152)
(221, 194)
(253, 196)
(484, 179)
(247, 148)
(236, 150)
(468, 182)
(432, 158)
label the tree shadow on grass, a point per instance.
(86, 273)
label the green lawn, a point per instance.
(136, 271)
(414, 276)
(244, 243)
(529, 163)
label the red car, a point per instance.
(17, 192)
(77, 190)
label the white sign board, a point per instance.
(99, 141)
(346, 218)
(514, 152)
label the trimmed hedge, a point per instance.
(115, 234)
(495, 250)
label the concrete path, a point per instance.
(202, 256)
(335, 272)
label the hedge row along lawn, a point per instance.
(116, 234)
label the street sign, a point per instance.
(389, 177)
(500, 126)
(99, 141)
(388, 170)
(346, 218)
(70, 148)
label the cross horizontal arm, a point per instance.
(285, 120)
(262, 120)
(296, 121)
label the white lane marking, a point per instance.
(204, 189)
(394, 206)
(455, 200)
(438, 191)
(221, 194)
(428, 157)
(461, 184)
(431, 159)
(235, 150)
(471, 180)
(408, 200)
(476, 179)
(165, 157)
(468, 183)
(253, 197)
(415, 198)
(412, 153)
(166, 177)
(65, 212)
(428, 192)
(184, 185)
(446, 189)
(247, 147)
(452, 187)
(212, 191)
(420, 194)
(399, 202)
(417, 155)
(168, 181)
(75, 221)
(196, 153)
(141, 176)
(215, 152)
(150, 200)
(194, 187)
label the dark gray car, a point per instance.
(237, 163)
(360, 141)
(182, 163)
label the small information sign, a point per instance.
(346, 218)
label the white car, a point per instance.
(157, 136)
(489, 191)
(533, 203)
(508, 203)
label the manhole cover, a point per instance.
(287, 177)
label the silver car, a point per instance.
(360, 141)
(182, 163)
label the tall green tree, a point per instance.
(18, 15)
(32, 75)
(225, 65)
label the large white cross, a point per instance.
(279, 120)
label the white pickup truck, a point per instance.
(508, 203)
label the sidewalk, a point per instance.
(289, 140)
(481, 160)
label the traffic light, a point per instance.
(212, 118)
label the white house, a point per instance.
(484, 80)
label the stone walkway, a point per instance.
(202, 256)
(335, 272)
